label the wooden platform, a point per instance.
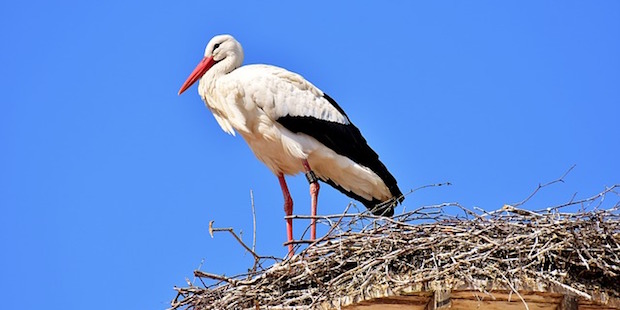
(473, 299)
(532, 295)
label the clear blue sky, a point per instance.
(108, 179)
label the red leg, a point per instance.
(288, 209)
(314, 196)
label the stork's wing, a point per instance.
(346, 140)
(281, 93)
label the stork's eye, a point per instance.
(216, 46)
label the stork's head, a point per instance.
(223, 53)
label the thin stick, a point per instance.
(232, 232)
(599, 195)
(429, 185)
(202, 274)
(561, 179)
(202, 261)
(253, 221)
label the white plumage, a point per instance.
(287, 123)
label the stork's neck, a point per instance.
(221, 68)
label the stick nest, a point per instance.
(364, 256)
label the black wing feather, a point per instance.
(347, 140)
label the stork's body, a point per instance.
(292, 127)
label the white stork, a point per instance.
(292, 126)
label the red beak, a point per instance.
(203, 66)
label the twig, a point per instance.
(232, 232)
(593, 198)
(427, 186)
(513, 289)
(202, 274)
(253, 221)
(560, 179)
(202, 261)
